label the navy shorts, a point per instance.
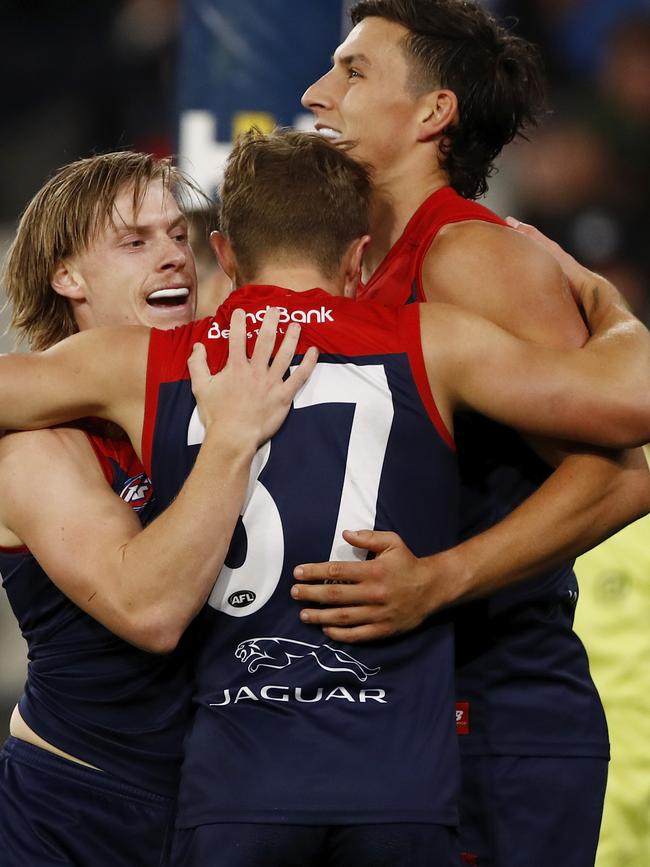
(531, 811)
(54, 812)
(252, 845)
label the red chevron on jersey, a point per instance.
(398, 279)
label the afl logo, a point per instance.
(241, 598)
(137, 492)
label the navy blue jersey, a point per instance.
(290, 726)
(88, 692)
(523, 680)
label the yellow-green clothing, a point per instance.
(613, 620)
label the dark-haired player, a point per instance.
(429, 92)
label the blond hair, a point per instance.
(62, 219)
(292, 193)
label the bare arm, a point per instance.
(586, 499)
(100, 373)
(473, 364)
(147, 585)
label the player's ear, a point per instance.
(438, 109)
(67, 281)
(352, 262)
(224, 252)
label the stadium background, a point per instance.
(184, 76)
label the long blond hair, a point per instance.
(61, 220)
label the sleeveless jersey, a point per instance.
(290, 726)
(88, 692)
(523, 681)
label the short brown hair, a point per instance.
(292, 193)
(496, 76)
(61, 220)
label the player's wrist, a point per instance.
(231, 441)
(451, 578)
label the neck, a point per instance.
(397, 196)
(299, 278)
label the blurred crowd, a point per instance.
(89, 77)
(584, 177)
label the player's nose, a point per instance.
(172, 254)
(317, 94)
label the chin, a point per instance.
(168, 317)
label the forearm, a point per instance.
(166, 572)
(588, 498)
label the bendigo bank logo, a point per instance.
(315, 315)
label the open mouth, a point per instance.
(168, 297)
(328, 132)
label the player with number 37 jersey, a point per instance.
(290, 726)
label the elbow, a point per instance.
(635, 426)
(626, 425)
(159, 635)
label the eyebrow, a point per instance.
(349, 59)
(125, 228)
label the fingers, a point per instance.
(197, 365)
(355, 634)
(302, 373)
(286, 349)
(344, 570)
(265, 342)
(551, 246)
(237, 337)
(372, 540)
(338, 594)
(341, 617)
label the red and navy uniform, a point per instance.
(291, 727)
(523, 682)
(100, 699)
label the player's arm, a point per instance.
(100, 372)
(146, 585)
(475, 364)
(552, 392)
(507, 279)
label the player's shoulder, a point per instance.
(479, 242)
(33, 463)
(505, 277)
(37, 450)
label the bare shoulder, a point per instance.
(30, 460)
(445, 330)
(505, 277)
(34, 462)
(97, 343)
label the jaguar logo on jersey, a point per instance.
(137, 491)
(278, 653)
(281, 653)
(317, 315)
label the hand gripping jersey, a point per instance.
(88, 692)
(290, 726)
(523, 682)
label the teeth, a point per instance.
(328, 132)
(168, 293)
